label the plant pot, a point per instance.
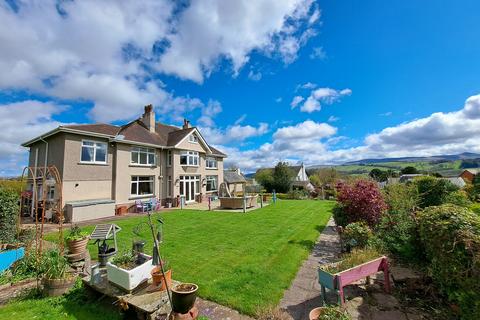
(317, 312)
(130, 279)
(159, 280)
(57, 287)
(104, 257)
(183, 297)
(77, 246)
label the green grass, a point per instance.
(244, 261)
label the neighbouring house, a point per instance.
(105, 166)
(409, 177)
(457, 181)
(469, 174)
(300, 178)
(235, 181)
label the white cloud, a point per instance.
(333, 119)
(106, 52)
(439, 133)
(234, 133)
(318, 53)
(209, 112)
(20, 122)
(278, 100)
(241, 119)
(296, 101)
(322, 96)
(386, 114)
(210, 30)
(255, 76)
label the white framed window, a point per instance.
(211, 163)
(212, 183)
(94, 152)
(169, 186)
(143, 156)
(193, 138)
(169, 158)
(189, 158)
(142, 185)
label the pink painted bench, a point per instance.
(339, 280)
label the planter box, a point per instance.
(8, 257)
(339, 280)
(130, 279)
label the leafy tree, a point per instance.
(265, 178)
(378, 175)
(8, 215)
(409, 170)
(282, 177)
(359, 201)
(434, 191)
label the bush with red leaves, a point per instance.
(360, 200)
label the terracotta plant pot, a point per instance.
(317, 312)
(183, 297)
(77, 246)
(57, 287)
(159, 280)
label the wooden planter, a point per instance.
(57, 287)
(77, 246)
(341, 279)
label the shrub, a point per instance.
(433, 191)
(459, 198)
(359, 200)
(8, 215)
(356, 234)
(475, 207)
(297, 194)
(76, 233)
(451, 237)
(398, 228)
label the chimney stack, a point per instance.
(186, 124)
(148, 118)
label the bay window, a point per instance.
(212, 183)
(142, 185)
(211, 163)
(143, 156)
(189, 158)
(94, 152)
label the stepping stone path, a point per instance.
(363, 302)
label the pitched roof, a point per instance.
(136, 131)
(231, 176)
(473, 170)
(456, 181)
(101, 128)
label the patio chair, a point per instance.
(155, 204)
(140, 207)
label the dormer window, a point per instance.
(193, 138)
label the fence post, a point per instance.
(261, 200)
(182, 201)
(244, 203)
(209, 203)
(274, 197)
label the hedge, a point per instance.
(451, 237)
(8, 215)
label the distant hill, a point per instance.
(446, 165)
(451, 157)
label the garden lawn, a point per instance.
(244, 261)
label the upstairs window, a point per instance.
(94, 152)
(211, 163)
(212, 183)
(189, 158)
(143, 156)
(193, 138)
(169, 158)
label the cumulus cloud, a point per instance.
(323, 96)
(19, 126)
(254, 76)
(333, 119)
(318, 53)
(110, 52)
(296, 101)
(312, 143)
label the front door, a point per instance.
(189, 187)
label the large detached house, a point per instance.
(104, 166)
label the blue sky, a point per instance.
(371, 78)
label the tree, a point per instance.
(434, 191)
(378, 175)
(409, 170)
(265, 178)
(282, 177)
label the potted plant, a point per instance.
(183, 297)
(158, 278)
(328, 313)
(77, 240)
(56, 276)
(127, 270)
